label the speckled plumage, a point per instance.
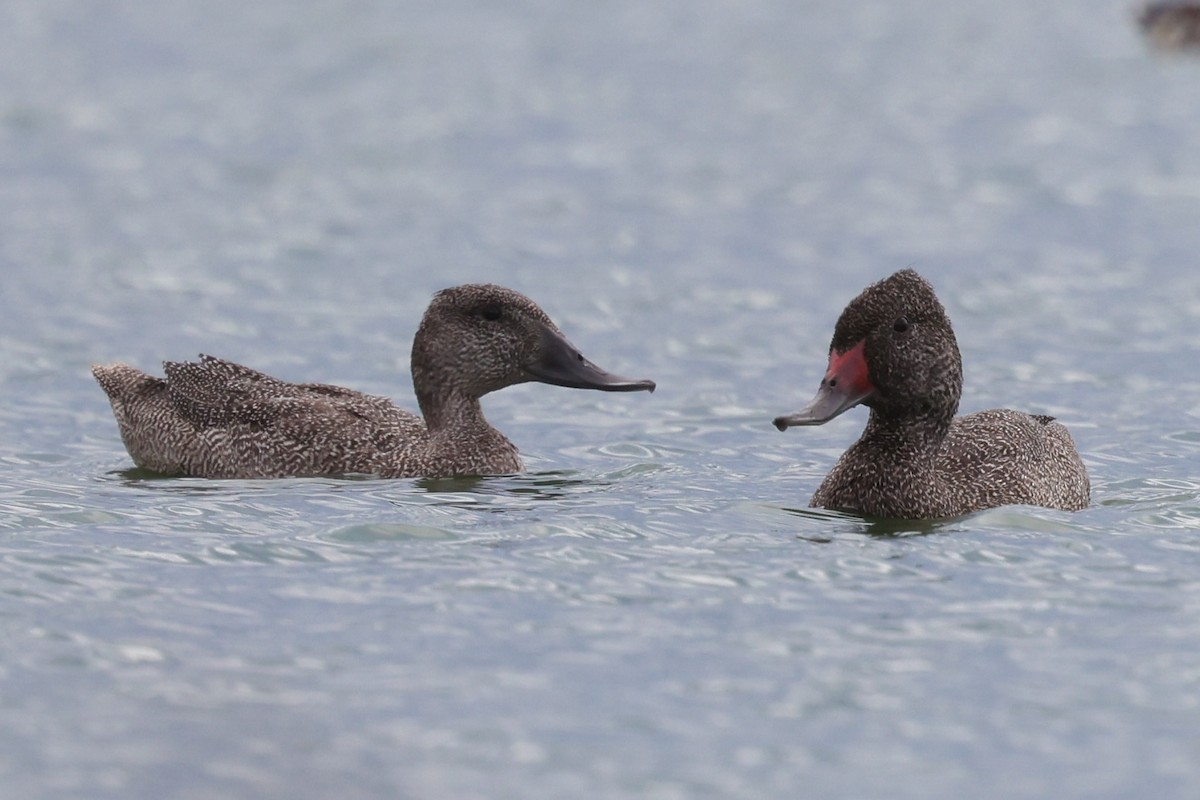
(894, 350)
(217, 419)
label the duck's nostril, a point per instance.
(580, 357)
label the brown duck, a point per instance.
(894, 351)
(217, 419)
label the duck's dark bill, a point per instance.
(829, 402)
(847, 383)
(560, 364)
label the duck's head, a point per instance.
(894, 351)
(478, 338)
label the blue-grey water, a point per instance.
(692, 190)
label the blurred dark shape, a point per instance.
(1172, 25)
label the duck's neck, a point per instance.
(913, 437)
(461, 441)
(891, 471)
(451, 411)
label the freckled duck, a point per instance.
(894, 351)
(217, 419)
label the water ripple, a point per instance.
(692, 191)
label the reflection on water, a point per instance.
(846, 521)
(542, 485)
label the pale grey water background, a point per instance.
(693, 191)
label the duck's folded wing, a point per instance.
(217, 393)
(321, 412)
(213, 392)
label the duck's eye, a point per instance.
(900, 325)
(491, 312)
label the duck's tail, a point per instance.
(122, 382)
(144, 415)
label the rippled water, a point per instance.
(693, 191)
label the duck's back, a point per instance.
(1002, 457)
(217, 419)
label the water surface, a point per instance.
(692, 191)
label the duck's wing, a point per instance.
(1017, 458)
(213, 392)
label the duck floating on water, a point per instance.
(216, 419)
(894, 351)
